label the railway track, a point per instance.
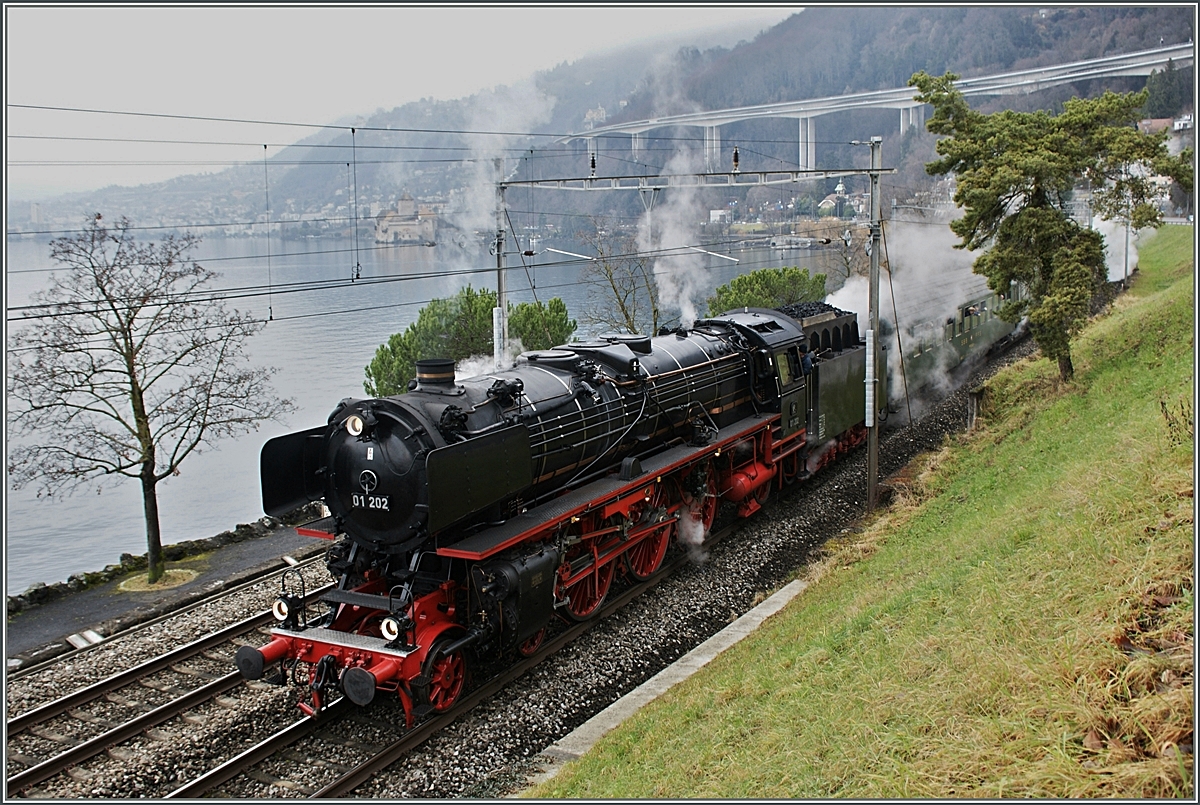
(347, 780)
(80, 725)
(89, 735)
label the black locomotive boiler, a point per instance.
(466, 515)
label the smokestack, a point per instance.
(435, 372)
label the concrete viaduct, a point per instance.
(912, 113)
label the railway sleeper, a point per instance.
(24, 760)
(161, 735)
(305, 760)
(91, 719)
(187, 670)
(57, 737)
(163, 687)
(271, 780)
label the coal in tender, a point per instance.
(805, 310)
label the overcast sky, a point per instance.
(311, 64)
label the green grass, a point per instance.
(1020, 623)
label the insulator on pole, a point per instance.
(735, 159)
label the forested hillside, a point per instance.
(830, 51)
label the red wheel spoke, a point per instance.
(530, 646)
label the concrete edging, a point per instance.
(553, 758)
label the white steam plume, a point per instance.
(516, 108)
(479, 365)
(1114, 247)
(691, 534)
(671, 225)
(930, 278)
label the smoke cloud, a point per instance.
(479, 365)
(521, 107)
(691, 534)
(671, 225)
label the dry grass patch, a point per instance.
(140, 583)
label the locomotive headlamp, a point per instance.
(354, 425)
(281, 609)
(390, 628)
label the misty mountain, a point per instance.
(445, 148)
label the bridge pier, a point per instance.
(912, 116)
(808, 144)
(712, 148)
(637, 143)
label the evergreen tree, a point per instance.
(1167, 92)
(460, 328)
(1016, 172)
(768, 288)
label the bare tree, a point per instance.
(129, 368)
(843, 252)
(622, 294)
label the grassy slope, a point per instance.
(1020, 623)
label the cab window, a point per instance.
(788, 361)
(785, 370)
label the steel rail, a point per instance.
(94, 691)
(94, 746)
(208, 599)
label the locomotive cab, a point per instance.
(777, 377)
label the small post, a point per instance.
(1128, 216)
(974, 397)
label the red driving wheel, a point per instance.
(585, 595)
(447, 675)
(530, 646)
(647, 555)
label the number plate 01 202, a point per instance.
(377, 502)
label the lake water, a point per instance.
(319, 341)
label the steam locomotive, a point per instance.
(467, 515)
